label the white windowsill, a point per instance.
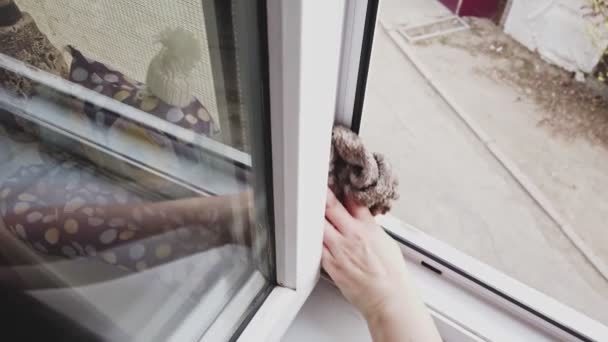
(328, 317)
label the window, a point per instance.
(164, 167)
(135, 173)
(498, 151)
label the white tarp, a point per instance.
(558, 30)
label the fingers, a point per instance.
(337, 215)
(331, 237)
(328, 262)
(358, 211)
(331, 248)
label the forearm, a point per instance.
(146, 218)
(204, 211)
(407, 319)
(201, 222)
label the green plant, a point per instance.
(596, 11)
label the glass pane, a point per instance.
(133, 159)
(499, 146)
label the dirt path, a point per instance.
(571, 109)
(554, 128)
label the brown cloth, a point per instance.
(359, 174)
(21, 39)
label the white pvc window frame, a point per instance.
(352, 44)
(304, 42)
(481, 299)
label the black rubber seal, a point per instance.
(364, 61)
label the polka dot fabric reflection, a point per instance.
(64, 209)
(51, 208)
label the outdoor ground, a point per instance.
(499, 153)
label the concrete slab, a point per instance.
(411, 12)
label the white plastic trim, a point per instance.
(225, 325)
(485, 312)
(229, 289)
(304, 48)
(276, 314)
(352, 42)
(451, 330)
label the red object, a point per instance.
(475, 8)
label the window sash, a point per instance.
(533, 309)
(304, 44)
(304, 41)
(359, 27)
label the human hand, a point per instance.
(363, 261)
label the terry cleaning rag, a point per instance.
(359, 174)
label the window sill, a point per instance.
(459, 316)
(479, 296)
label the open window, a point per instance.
(492, 170)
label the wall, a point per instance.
(557, 30)
(476, 8)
